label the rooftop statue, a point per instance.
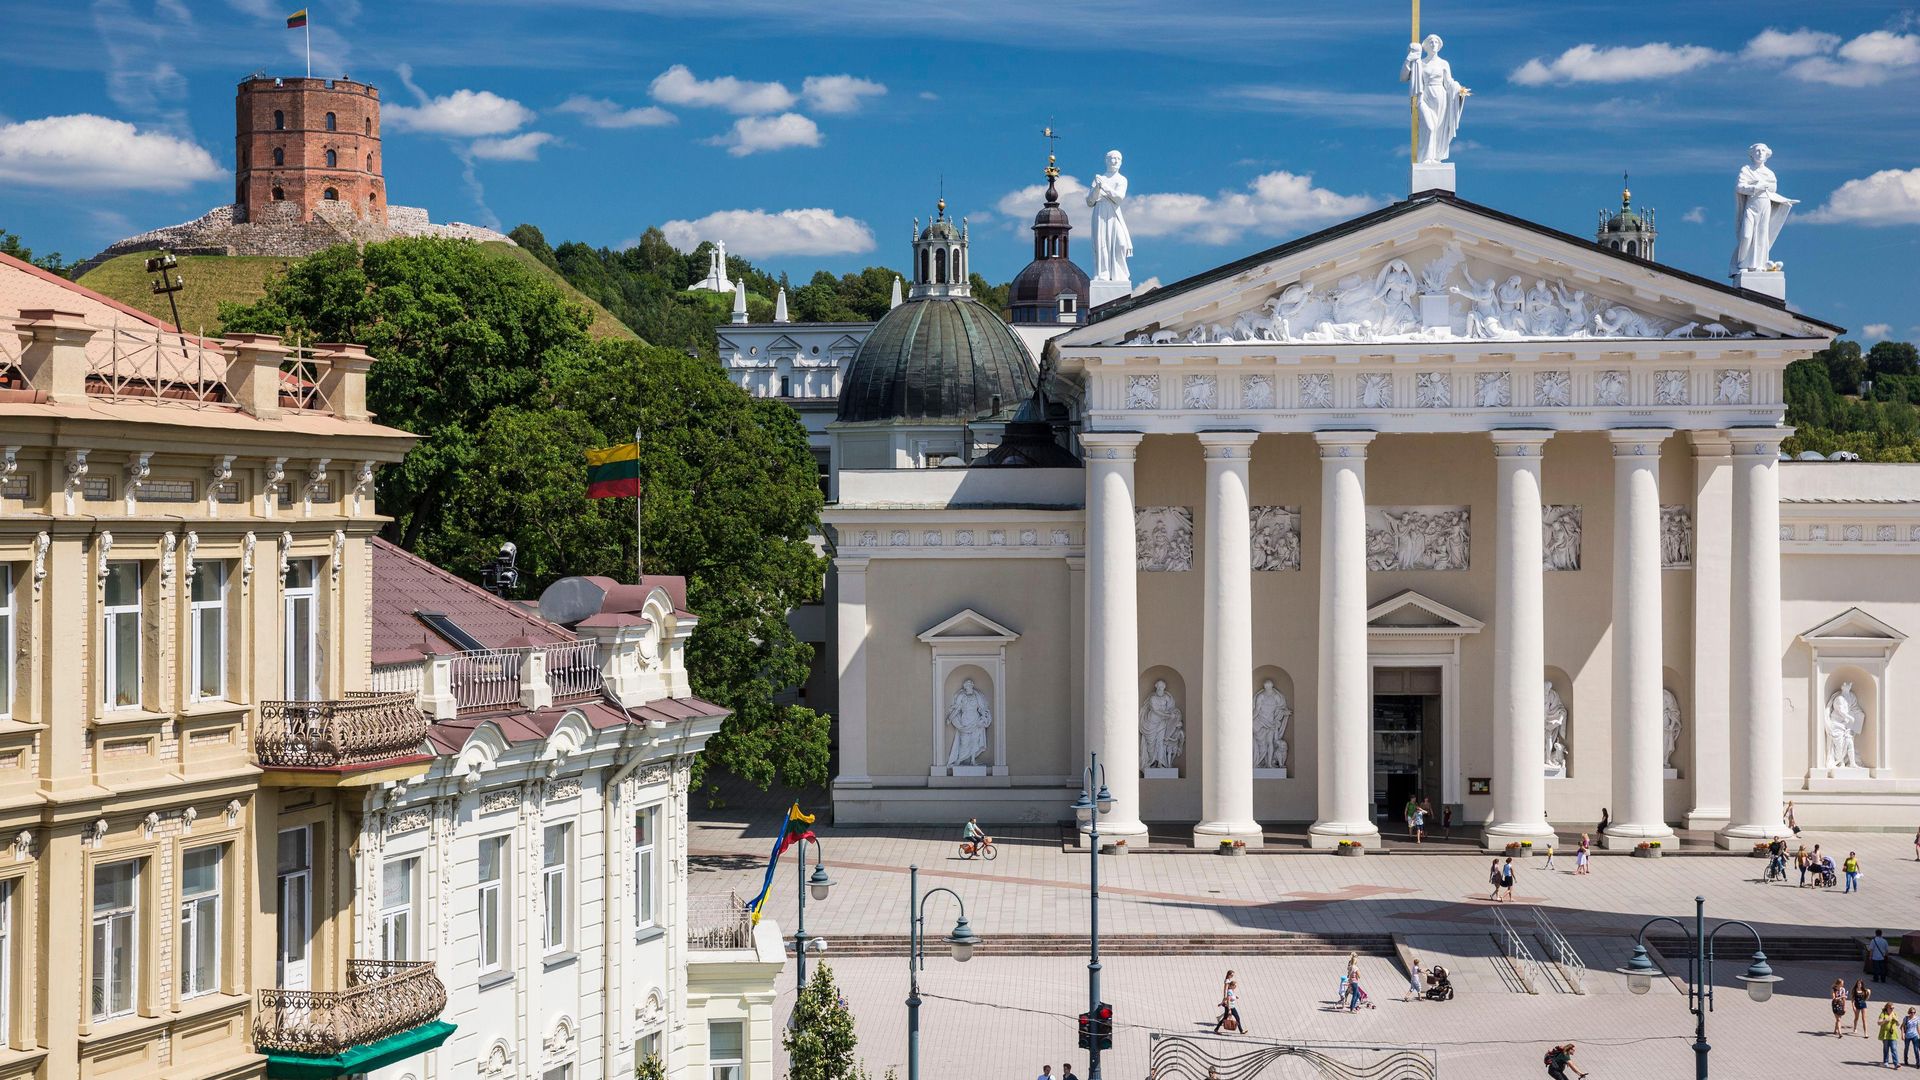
(1759, 212)
(1439, 98)
(1112, 243)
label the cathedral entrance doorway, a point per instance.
(1406, 741)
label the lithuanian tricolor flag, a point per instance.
(792, 833)
(297, 20)
(614, 472)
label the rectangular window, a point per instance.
(491, 900)
(302, 662)
(199, 944)
(295, 885)
(399, 929)
(725, 1050)
(6, 643)
(208, 632)
(650, 1047)
(646, 888)
(120, 636)
(558, 1072)
(555, 891)
(116, 938)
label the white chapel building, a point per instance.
(1434, 503)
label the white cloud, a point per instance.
(678, 86)
(1023, 203)
(88, 151)
(758, 234)
(839, 93)
(1620, 63)
(463, 114)
(1695, 216)
(1868, 60)
(1771, 44)
(1275, 202)
(522, 147)
(1877, 330)
(1888, 197)
(753, 134)
(601, 113)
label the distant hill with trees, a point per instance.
(1867, 403)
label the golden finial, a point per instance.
(942, 206)
(1053, 169)
(1626, 195)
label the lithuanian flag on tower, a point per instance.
(297, 20)
(614, 472)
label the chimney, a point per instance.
(253, 373)
(344, 383)
(53, 352)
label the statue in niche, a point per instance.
(971, 714)
(1845, 720)
(1556, 729)
(1670, 725)
(1759, 213)
(1271, 714)
(1438, 98)
(1162, 730)
(1560, 540)
(1112, 242)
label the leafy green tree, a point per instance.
(1811, 401)
(1893, 358)
(1845, 367)
(52, 263)
(649, 1067)
(994, 296)
(535, 242)
(820, 1042)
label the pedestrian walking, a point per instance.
(1888, 1029)
(1559, 1060)
(1046, 1073)
(1413, 980)
(1230, 1006)
(1800, 862)
(1861, 996)
(1606, 819)
(1788, 819)
(1066, 1072)
(1506, 879)
(1408, 813)
(1548, 865)
(1839, 1003)
(1446, 824)
(1916, 845)
(1581, 854)
(1357, 996)
(1910, 1036)
(1877, 955)
(1851, 868)
(1495, 879)
(1420, 824)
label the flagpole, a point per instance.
(306, 25)
(1414, 120)
(639, 533)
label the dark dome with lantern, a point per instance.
(1050, 289)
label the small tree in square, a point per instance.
(820, 1041)
(649, 1067)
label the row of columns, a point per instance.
(1344, 777)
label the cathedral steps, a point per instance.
(1806, 948)
(1237, 944)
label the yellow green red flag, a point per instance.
(614, 471)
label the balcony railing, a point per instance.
(383, 998)
(573, 669)
(492, 678)
(361, 729)
(718, 922)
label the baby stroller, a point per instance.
(1823, 873)
(1439, 987)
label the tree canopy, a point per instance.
(1840, 399)
(820, 1041)
(492, 367)
(50, 262)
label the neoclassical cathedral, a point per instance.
(1435, 503)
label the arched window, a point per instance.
(330, 124)
(369, 162)
(279, 120)
(279, 156)
(925, 273)
(369, 125)
(279, 195)
(1633, 247)
(940, 266)
(331, 195)
(333, 159)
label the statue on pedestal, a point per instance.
(1670, 725)
(1112, 243)
(1759, 213)
(1845, 720)
(1556, 710)
(1438, 97)
(1162, 730)
(971, 714)
(1270, 716)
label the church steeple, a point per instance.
(1050, 289)
(940, 256)
(1626, 231)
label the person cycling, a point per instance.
(1777, 859)
(972, 834)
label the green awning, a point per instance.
(359, 1059)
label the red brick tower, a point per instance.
(312, 143)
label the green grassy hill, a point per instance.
(214, 279)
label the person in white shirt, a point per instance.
(1046, 1073)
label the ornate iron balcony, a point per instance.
(383, 998)
(360, 729)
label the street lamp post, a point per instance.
(1641, 972)
(1094, 800)
(961, 942)
(818, 883)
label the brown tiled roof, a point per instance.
(524, 725)
(404, 583)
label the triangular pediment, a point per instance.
(969, 626)
(1412, 612)
(845, 342)
(1437, 269)
(783, 343)
(1853, 624)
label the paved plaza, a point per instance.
(1005, 1014)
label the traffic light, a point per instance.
(1097, 1027)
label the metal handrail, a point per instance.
(382, 998)
(358, 729)
(1518, 955)
(488, 678)
(1562, 950)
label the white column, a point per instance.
(1226, 696)
(1758, 757)
(1705, 719)
(1113, 626)
(1343, 719)
(850, 637)
(1638, 728)
(1519, 645)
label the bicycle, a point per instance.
(984, 849)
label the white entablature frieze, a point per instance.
(1052, 535)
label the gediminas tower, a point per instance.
(310, 143)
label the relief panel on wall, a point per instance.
(1417, 537)
(1163, 538)
(1276, 537)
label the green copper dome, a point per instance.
(939, 358)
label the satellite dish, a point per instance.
(571, 600)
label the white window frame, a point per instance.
(110, 658)
(309, 596)
(493, 892)
(555, 875)
(646, 867)
(201, 914)
(198, 612)
(733, 1068)
(399, 921)
(558, 1072)
(7, 658)
(103, 925)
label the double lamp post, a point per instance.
(1640, 972)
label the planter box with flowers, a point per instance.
(1514, 847)
(1350, 848)
(1760, 849)
(1647, 849)
(1232, 847)
(1118, 847)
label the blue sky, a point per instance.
(810, 135)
